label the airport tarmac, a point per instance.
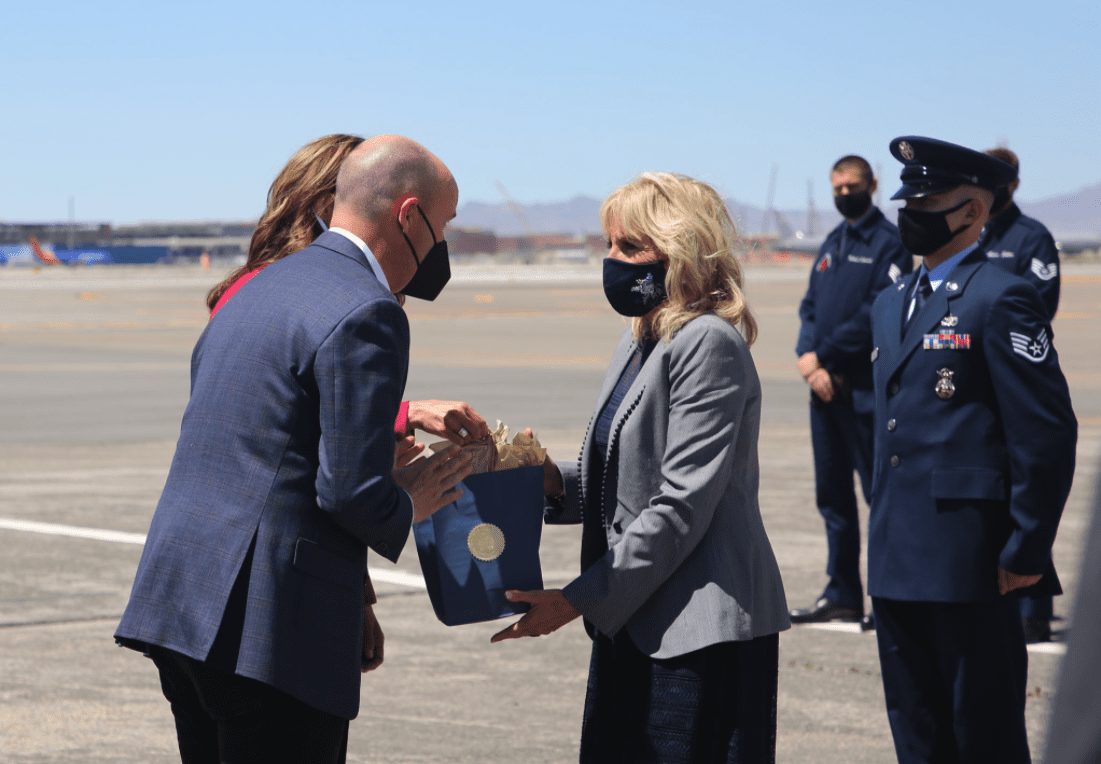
(93, 380)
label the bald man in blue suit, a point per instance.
(249, 595)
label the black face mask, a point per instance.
(924, 232)
(433, 272)
(634, 289)
(853, 206)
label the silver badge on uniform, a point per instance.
(945, 388)
(952, 286)
(905, 150)
(949, 320)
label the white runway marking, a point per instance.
(1047, 648)
(398, 577)
(73, 531)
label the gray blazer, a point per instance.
(689, 564)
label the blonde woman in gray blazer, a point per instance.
(680, 590)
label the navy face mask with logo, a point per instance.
(433, 272)
(634, 289)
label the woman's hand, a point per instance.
(552, 476)
(453, 420)
(550, 611)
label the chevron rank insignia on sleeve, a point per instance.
(1044, 272)
(1034, 349)
(894, 272)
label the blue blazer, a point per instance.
(281, 481)
(976, 479)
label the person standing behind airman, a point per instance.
(1024, 246)
(859, 258)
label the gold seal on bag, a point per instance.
(486, 542)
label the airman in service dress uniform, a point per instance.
(974, 457)
(1024, 246)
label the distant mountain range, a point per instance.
(1070, 215)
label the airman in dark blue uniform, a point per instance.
(1021, 244)
(858, 259)
(1024, 246)
(974, 457)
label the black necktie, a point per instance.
(921, 293)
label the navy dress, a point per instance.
(717, 704)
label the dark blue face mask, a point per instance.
(433, 272)
(634, 289)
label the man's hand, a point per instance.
(406, 450)
(807, 363)
(550, 611)
(453, 420)
(1007, 581)
(372, 640)
(821, 384)
(431, 482)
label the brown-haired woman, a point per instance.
(300, 205)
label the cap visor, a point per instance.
(918, 190)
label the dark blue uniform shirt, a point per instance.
(855, 263)
(1024, 246)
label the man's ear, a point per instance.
(1013, 186)
(979, 208)
(403, 209)
(873, 185)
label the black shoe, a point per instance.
(825, 610)
(867, 623)
(1037, 630)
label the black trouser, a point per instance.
(716, 705)
(222, 717)
(842, 442)
(954, 676)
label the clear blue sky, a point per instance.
(164, 111)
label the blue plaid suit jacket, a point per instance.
(281, 480)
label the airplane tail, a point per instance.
(44, 255)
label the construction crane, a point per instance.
(526, 256)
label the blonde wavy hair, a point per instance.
(691, 228)
(303, 191)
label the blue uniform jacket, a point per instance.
(1024, 246)
(853, 266)
(976, 479)
(284, 461)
